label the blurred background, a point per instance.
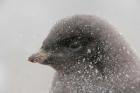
(24, 24)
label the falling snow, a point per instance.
(89, 51)
(90, 58)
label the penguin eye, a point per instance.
(75, 46)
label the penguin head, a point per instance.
(72, 41)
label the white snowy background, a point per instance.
(25, 23)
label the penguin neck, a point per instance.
(77, 69)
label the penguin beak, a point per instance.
(38, 57)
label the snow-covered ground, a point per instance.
(25, 23)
